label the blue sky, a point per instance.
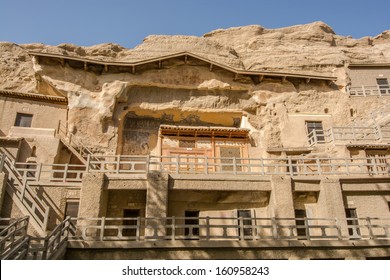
(88, 22)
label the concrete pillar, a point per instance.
(3, 185)
(281, 203)
(93, 200)
(330, 200)
(156, 204)
(281, 200)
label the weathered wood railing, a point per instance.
(14, 240)
(20, 186)
(375, 90)
(51, 174)
(119, 165)
(217, 228)
(53, 245)
(294, 166)
(367, 134)
(75, 145)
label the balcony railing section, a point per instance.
(375, 90)
(226, 228)
(53, 245)
(360, 134)
(20, 186)
(123, 166)
(14, 240)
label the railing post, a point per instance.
(206, 165)
(290, 166)
(332, 135)
(88, 163)
(338, 227)
(241, 227)
(369, 225)
(274, 228)
(102, 226)
(65, 172)
(147, 163)
(307, 230)
(173, 228)
(319, 166)
(364, 91)
(39, 171)
(44, 249)
(207, 228)
(177, 164)
(379, 90)
(234, 166)
(138, 229)
(2, 160)
(118, 159)
(262, 166)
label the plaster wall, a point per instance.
(364, 76)
(294, 130)
(45, 115)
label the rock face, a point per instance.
(310, 48)
(104, 99)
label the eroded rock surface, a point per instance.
(98, 102)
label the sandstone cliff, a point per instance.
(312, 49)
(309, 48)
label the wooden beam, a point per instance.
(185, 59)
(211, 67)
(85, 66)
(133, 69)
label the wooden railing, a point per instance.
(293, 166)
(217, 228)
(20, 186)
(51, 174)
(368, 134)
(14, 240)
(122, 166)
(52, 246)
(75, 145)
(369, 91)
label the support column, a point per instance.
(331, 202)
(93, 200)
(281, 203)
(3, 185)
(156, 204)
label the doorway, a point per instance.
(132, 214)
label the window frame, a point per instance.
(319, 132)
(21, 119)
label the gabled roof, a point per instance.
(185, 56)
